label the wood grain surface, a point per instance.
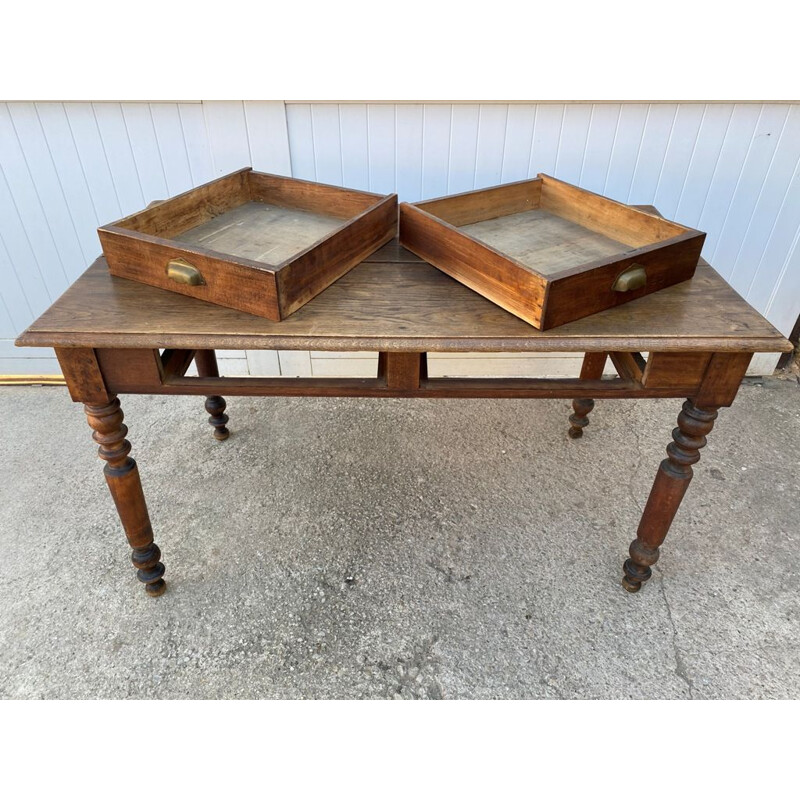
(400, 304)
(267, 233)
(544, 242)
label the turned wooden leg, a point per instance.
(206, 361)
(591, 369)
(580, 419)
(215, 406)
(672, 480)
(122, 476)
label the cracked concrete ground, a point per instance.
(417, 549)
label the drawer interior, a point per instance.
(268, 219)
(544, 242)
(262, 232)
(549, 226)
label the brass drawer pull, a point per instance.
(633, 278)
(182, 271)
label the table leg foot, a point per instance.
(580, 419)
(669, 487)
(122, 477)
(637, 567)
(215, 406)
(149, 569)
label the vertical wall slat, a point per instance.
(409, 152)
(295, 363)
(71, 176)
(677, 158)
(463, 148)
(146, 155)
(93, 163)
(21, 256)
(301, 141)
(263, 362)
(772, 199)
(195, 137)
(572, 142)
(599, 144)
(734, 150)
(16, 300)
(492, 121)
(381, 143)
(435, 149)
(778, 250)
(518, 141)
(653, 147)
(327, 143)
(625, 150)
(227, 136)
(745, 195)
(30, 169)
(8, 328)
(119, 155)
(25, 197)
(268, 136)
(699, 172)
(782, 307)
(171, 147)
(355, 146)
(546, 136)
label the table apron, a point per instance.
(95, 375)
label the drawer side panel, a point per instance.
(480, 268)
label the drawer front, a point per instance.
(180, 270)
(648, 270)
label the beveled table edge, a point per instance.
(569, 344)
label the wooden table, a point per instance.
(109, 333)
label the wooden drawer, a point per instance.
(548, 251)
(251, 241)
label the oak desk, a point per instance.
(109, 334)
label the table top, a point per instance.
(396, 302)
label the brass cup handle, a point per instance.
(181, 271)
(633, 278)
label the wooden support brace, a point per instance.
(176, 362)
(403, 370)
(628, 365)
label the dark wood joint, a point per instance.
(722, 379)
(403, 370)
(83, 375)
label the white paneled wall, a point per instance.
(732, 170)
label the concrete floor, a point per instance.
(382, 548)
